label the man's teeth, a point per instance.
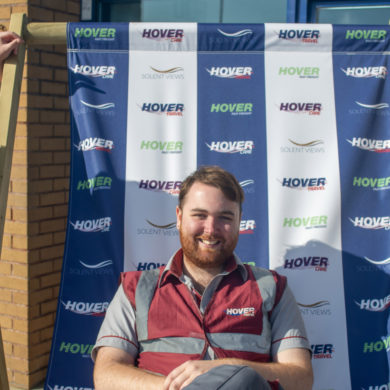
(208, 242)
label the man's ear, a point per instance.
(179, 214)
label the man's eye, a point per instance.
(201, 216)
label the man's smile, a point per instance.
(209, 242)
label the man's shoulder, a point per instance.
(134, 276)
(271, 285)
(260, 272)
(130, 280)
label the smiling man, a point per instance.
(205, 320)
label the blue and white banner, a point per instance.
(299, 113)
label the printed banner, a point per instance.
(299, 113)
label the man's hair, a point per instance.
(217, 177)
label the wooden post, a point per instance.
(9, 102)
(32, 33)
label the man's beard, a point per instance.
(206, 258)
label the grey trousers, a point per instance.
(228, 377)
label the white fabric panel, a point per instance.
(161, 143)
(304, 186)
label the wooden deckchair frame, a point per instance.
(33, 34)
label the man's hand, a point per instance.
(114, 370)
(9, 42)
(291, 367)
(184, 374)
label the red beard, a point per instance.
(206, 258)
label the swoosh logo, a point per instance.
(378, 106)
(104, 106)
(102, 264)
(380, 262)
(314, 305)
(308, 144)
(237, 34)
(168, 226)
(247, 182)
(172, 70)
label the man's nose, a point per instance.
(210, 225)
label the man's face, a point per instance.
(209, 225)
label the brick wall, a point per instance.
(34, 234)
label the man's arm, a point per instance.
(291, 367)
(9, 42)
(115, 370)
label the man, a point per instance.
(165, 329)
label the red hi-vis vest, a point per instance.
(171, 329)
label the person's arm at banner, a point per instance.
(115, 370)
(292, 368)
(9, 42)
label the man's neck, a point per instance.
(201, 277)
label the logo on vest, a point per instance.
(242, 311)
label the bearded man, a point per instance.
(205, 320)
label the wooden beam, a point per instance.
(45, 33)
(9, 102)
(33, 34)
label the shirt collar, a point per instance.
(174, 267)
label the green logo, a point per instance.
(96, 183)
(371, 35)
(97, 33)
(318, 221)
(163, 146)
(376, 183)
(301, 72)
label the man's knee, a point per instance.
(229, 377)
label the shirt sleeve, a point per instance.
(118, 327)
(288, 329)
